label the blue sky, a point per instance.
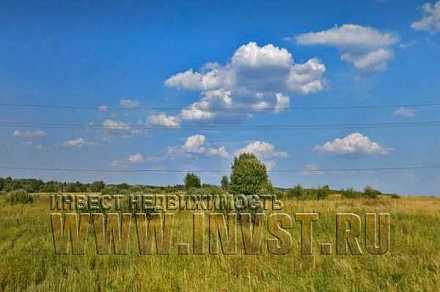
(216, 72)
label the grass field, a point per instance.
(28, 261)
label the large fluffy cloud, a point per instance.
(196, 145)
(365, 48)
(256, 78)
(353, 144)
(431, 18)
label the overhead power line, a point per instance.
(147, 170)
(237, 110)
(127, 127)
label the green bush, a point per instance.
(369, 192)
(298, 192)
(19, 197)
(351, 193)
(225, 183)
(192, 181)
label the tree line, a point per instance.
(248, 176)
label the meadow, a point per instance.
(28, 261)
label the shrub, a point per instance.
(371, 193)
(19, 196)
(350, 193)
(225, 183)
(322, 193)
(192, 181)
(205, 191)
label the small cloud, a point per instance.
(366, 48)
(165, 120)
(131, 159)
(196, 145)
(407, 45)
(103, 108)
(264, 151)
(353, 144)
(29, 134)
(115, 125)
(136, 158)
(430, 20)
(76, 143)
(283, 102)
(129, 103)
(405, 112)
(261, 106)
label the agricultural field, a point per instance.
(29, 263)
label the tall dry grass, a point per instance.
(28, 262)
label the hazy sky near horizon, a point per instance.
(187, 85)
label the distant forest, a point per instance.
(9, 184)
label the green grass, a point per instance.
(28, 262)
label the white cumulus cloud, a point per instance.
(264, 151)
(353, 144)
(366, 48)
(256, 78)
(196, 144)
(431, 18)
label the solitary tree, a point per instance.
(249, 176)
(192, 181)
